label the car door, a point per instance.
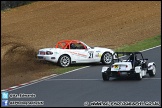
(78, 52)
(87, 55)
(83, 54)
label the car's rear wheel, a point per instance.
(152, 72)
(64, 61)
(105, 77)
(107, 58)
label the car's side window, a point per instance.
(73, 46)
(79, 46)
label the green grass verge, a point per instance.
(141, 45)
(145, 44)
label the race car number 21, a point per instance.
(90, 54)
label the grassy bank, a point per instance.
(63, 70)
(141, 45)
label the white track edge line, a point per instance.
(39, 80)
(91, 79)
(150, 48)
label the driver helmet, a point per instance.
(132, 57)
(72, 46)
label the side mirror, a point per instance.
(86, 49)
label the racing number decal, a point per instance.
(90, 54)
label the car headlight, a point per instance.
(41, 52)
(49, 53)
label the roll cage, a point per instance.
(65, 44)
(134, 54)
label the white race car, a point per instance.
(131, 67)
(68, 52)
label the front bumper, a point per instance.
(47, 58)
(120, 73)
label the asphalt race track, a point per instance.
(82, 87)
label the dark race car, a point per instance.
(134, 64)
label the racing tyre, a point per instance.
(64, 61)
(107, 58)
(152, 72)
(139, 76)
(105, 77)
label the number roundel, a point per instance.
(90, 54)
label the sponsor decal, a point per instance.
(97, 51)
(82, 54)
(78, 54)
(90, 51)
(98, 55)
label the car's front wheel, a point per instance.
(105, 77)
(152, 72)
(107, 58)
(139, 76)
(64, 61)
